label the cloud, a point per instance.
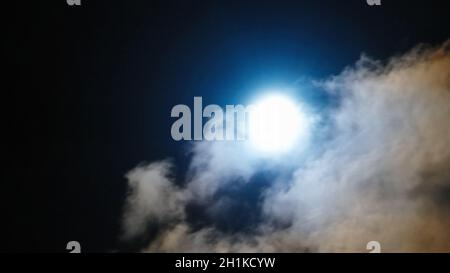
(153, 197)
(383, 173)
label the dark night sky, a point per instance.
(89, 89)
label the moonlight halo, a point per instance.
(276, 124)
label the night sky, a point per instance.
(88, 90)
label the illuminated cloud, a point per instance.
(384, 174)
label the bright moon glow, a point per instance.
(276, 124)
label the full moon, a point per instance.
(276, 124)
